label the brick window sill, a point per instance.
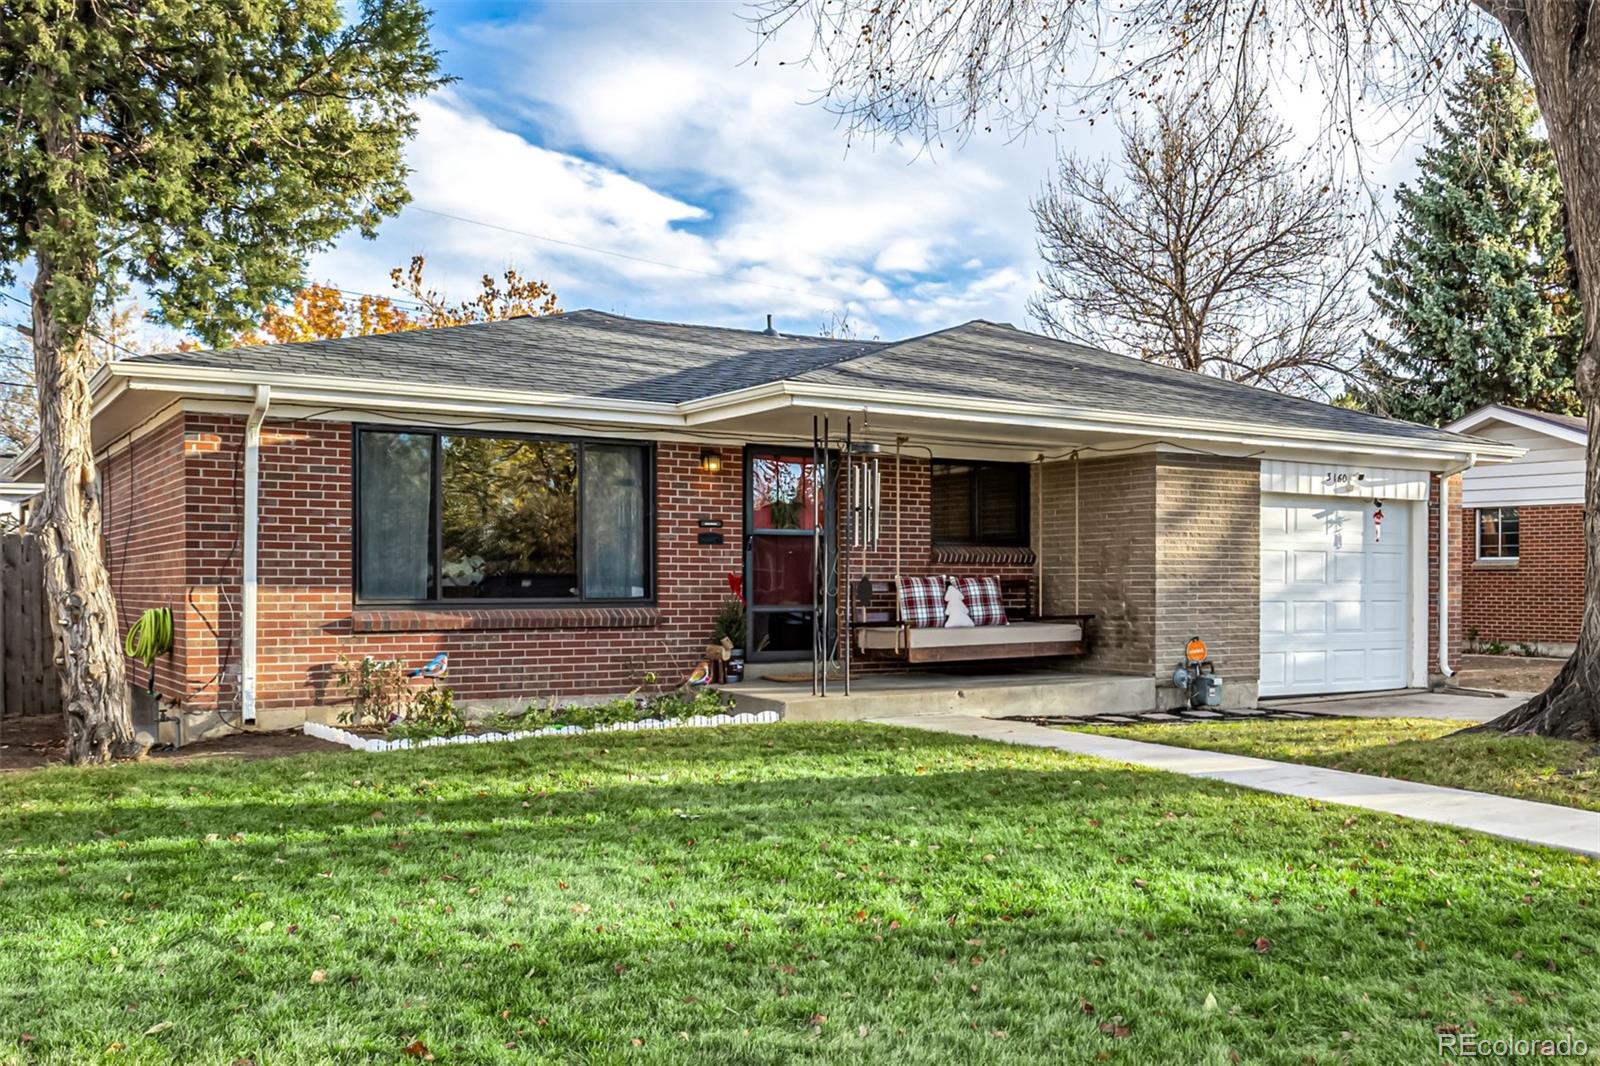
(434, 620)
(1495, 564)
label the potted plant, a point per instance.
(730, 625)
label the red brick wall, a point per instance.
(142, 498)
(1456, 630)
(182, 517)
(1539, 598)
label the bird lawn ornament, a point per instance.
(437, 668)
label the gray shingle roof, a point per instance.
(997, 362)
(1576, 422)
(595, 354)
(584, 353)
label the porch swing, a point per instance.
(876, 625)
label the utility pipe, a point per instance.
(1444, 562)
(252, 522)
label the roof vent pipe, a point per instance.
(770, 331)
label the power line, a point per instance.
(623, 255)
(86, 329)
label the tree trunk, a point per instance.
(1561, 50)
(91, 671)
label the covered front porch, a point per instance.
(992, 693)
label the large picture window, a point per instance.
(1499, 533)
(457, 517)
(980, 503)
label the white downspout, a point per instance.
(252, 521)
(1444, 562)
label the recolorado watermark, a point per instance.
(1474, 1045)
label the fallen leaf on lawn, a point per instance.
(1111, 1029)
(1139, 882)
(1085, 1006)
(862, 1031)
(318, 976)
(159, 1027)
(1211, 1002)
(418, 1050)
(1263, 945)
(817, 1019)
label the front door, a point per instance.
(784, 506)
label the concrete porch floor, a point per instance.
(992, 695)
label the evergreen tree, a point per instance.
(1475, 285)
(198, 150)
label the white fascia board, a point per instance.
(1496, 413)
(353, 394)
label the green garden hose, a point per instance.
(150, 638)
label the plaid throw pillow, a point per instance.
(921, 601)
(983, 600)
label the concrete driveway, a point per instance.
(1455, 706)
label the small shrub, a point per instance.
(729, 623)
(1527, 651)
(433, 713)
(1493, 647)
(377, 690)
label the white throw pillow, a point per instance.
(955, 608)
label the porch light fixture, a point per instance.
(711, 461)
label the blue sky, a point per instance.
(647, 130)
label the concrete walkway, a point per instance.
(1514, 819)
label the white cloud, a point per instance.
(656, 141)
(646, 130)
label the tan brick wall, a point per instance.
(1115, 578)
(1208, 562)
(1170, 548)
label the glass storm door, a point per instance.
(781, 516)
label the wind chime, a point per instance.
(860, 483)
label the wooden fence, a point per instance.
(27, 646)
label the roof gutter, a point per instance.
(252, 524)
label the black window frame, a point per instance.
(1500, 533)
(1021, 471)
(436, 524)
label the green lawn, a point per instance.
(1413, 749)
(826, 892)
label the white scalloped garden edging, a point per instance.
(701, 721)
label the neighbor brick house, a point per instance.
(1523, 556)
(559, 503)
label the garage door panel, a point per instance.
(1308, 668)
(1388, 616)
(1275, 566)
(1347, 567)
(1335, 601)
(1349, 666)
(1348, 616)
(1388, 570)
(1310, 616)
(1310, 567)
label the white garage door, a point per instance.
(1335, 602)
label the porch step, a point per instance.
(1042, 692)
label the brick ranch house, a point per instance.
(558, 503)
(1522, 557)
